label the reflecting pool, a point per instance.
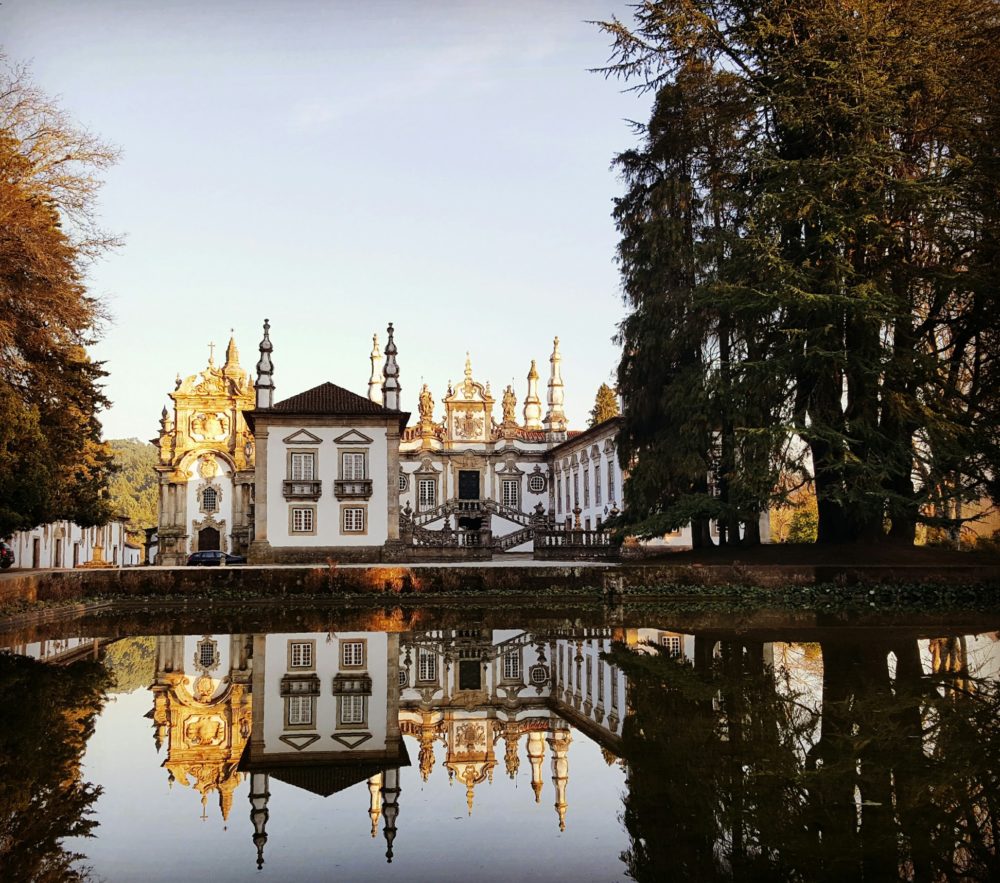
(331, 745)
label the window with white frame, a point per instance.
(403, 482)
(352, 466)
(536, 483)
(512, 665)
(611, 481)
(586, 488)
(303, 519)
(354, 519)
(300, 654)
(352, 654)
(426, 493)
(569, 497)
(303, 465)
(597, 483)
(426, 665)
(510, 492)
(672, 644)
(559, 496)
(299, 710)
(352, 708)
(576, 488)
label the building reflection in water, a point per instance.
(326, 712)
(730, 754)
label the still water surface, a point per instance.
(670, 748)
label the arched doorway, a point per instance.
(208, 539)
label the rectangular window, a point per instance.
(597, 484)
(672, 643)
(303, 520)
(512, 665)
(354, 519)
(426, 493)
(611, 481)
(569, 499)
(352, 654)
(426, 665)
(300, 654)
(586, 488)
(559, 496)
(303, 466)
(352, 709)
(576, 488)
(352, 466)
(299, 710)
(510, 492)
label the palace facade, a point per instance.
(328, 474)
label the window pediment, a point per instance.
(353, 437)
(302, 437)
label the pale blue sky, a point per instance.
(334, 166)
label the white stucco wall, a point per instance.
(56, 542)
(329, 530)
(327, 666)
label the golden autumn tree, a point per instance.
(52, 461)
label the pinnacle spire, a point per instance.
(390, 388)
(264, 384)
(375, 378)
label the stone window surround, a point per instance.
(199, 496)
(364, 519)
(340, 463)
(342, 701)
(504, 481)
(364, 654)
(312, 654)
(514, 655)
(288, 462)
(291, 522)
(305, 698)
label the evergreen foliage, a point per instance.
(605, 405)
(53, 464)
(809, 241)
(134, 487)
(131, 662)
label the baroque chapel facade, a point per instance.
(206, 462)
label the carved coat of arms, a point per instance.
(468, 425)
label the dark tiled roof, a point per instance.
(328, 398)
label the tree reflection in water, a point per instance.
(734, 776)
(48, 716)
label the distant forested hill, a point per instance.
(133, 486)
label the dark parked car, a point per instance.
(214, 559)
(6, 556)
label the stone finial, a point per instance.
(391, 388)
(555, 417)
(264, 384)
(532, 403)
(375, 379)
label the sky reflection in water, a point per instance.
(707, 758)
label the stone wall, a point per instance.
(541, 580)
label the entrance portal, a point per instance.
(468, 484)
(208, 539)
